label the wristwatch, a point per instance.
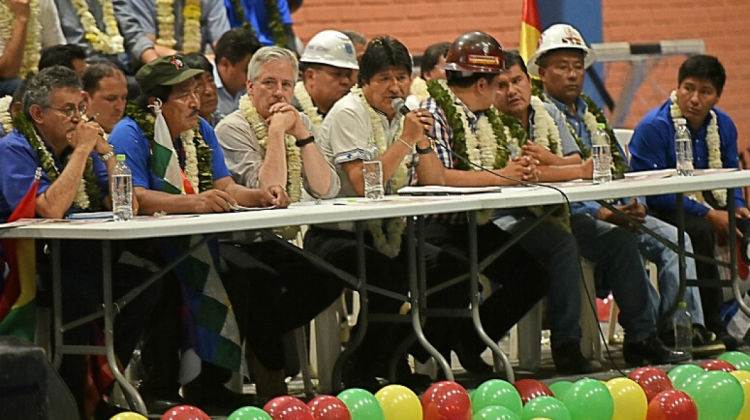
(304, 142)
(107, 156)
(424, 151)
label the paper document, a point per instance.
(442, 190)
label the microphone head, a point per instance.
(399, 106)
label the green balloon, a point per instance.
(589, 399)
(682, 375)
(545, 407)
(738, 359)
(559, 388)
(361, 404)
(497, 392)
(249, 413)
(718, 395)
(495, 412)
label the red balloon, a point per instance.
(328, 407)
(446, 400)
(672, 405)
(288, 408)
(531, 388)
(721, 365)
(652, 380)
(185, 412)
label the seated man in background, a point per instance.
(367, 113)
(207, 90)
(560, 65)
(432, 67)
(268, 142)
(75, 161)
(233, 51)
(105, 92)
(67, 55)
(700, 83)
(327, 67)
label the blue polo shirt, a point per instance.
(18, 163)
(652, 147)
(256, 13)
(128, 139)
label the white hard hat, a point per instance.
(556, 37)
(332, 48)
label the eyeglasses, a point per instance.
(70, 111)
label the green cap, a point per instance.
(165, 71)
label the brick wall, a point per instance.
(419, 23)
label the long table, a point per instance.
(355, 210)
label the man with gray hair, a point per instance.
(268, 142)
(70, 162)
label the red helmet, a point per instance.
(475, 52)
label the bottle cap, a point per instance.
(601, 126)
(682, 305)
(121, 158)
(680, 121)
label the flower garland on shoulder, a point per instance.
(387, 242)
(32, 46)
(165, 23)
(198, 155)
(5, 119)
(108, 42)
(418, 89)
(293, 157)
(593, 116)
(713, 141)
(191, 25)
(305, 101)
(88, 196)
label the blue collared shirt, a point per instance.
(214, 22)
(18, 164)
(136, 41)
(227, 103)
(575, 120)
(128, 139)
(256, 13)
(652, 147)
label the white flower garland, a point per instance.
(293, 157)
(5, 119)
(110, 42)
(191, 159)
(32, 46)
(81, 199)
(546, 132)
(308, 108)
(480, 147)
(713, 142)
(388, 242)
(191, 26)
(419, 89)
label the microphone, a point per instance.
(399, 106)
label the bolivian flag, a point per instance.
(531, 30)
(18, 294)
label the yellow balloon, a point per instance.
(630, 400)
(744, 377)
(129, 415)
(399, 403)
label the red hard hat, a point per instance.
(475, 52)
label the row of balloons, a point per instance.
(717, 390)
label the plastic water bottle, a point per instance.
(683, 329)
(683, 147)
(122, 191)
(600, 151)
(372, 171)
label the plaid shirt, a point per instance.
(443, 135)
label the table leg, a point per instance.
(131, 394)
(57, 302)
(497, 353)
